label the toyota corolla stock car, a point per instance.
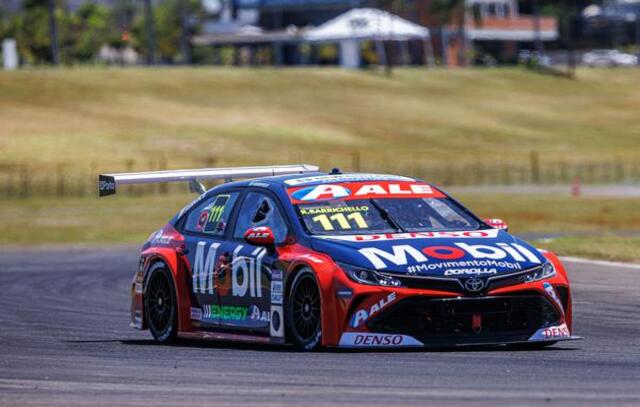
(288, 254)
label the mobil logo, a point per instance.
(321, 193)
(401, 255)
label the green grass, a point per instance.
(130, 219)
(614, 248)
(95, 119)
(248, 116)
(85, 221)
(526, 213)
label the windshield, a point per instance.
(382, 213)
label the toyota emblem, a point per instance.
(474, 284)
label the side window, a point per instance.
(212, 215)
(259, 210)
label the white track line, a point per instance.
(600, 262)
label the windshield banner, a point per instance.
(362, 190)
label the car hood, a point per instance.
(437, 254)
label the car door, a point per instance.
(255, 285)
(205, 230)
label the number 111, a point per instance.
(327, 222)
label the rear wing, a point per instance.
(107, 183)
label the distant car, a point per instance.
(608, 58)
(340, 260)
(535, 58)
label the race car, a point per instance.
(293, 255)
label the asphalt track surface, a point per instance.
(65, 340)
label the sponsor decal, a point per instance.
(106, 186)
(276, 328)
(260, 234)
(345, 178)
(277, 287)
(496, 224)
(161, 239)
(224, 312)
(352, 339)
(320, 210)
(400, 254)
(214, 213)
(551, 333)
(473, 271)
(202, 220)
(256, 314)
(138, 288)
(465, 267)
(321, 193)
(475, 234)
(362, 315)
(363, 190)
(203, 268)
(196, 314)
(246, 273)
(548, 288)
(259, 184)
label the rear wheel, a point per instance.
(304, 312)
(160, 304)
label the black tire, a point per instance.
(303, 312)
(160, 305)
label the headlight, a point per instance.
(370, 277)
(545, 271)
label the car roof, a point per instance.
(315, 178)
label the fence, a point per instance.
(24, 180)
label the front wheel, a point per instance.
(304, 312)
(160, 304)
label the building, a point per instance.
(492, 28)
(614, 24)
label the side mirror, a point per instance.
(260, 236)
(497, 224)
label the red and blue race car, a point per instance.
(293, 255)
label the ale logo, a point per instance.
(321, 193)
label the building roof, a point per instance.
(366, 23)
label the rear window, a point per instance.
(211, 216)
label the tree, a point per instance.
(171, 31)
(455, 10)
(90, 29)
(149, 32)
(31, 29)
(185, 47)
(565, 11)
(53, 32)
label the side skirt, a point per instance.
(226, 336)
